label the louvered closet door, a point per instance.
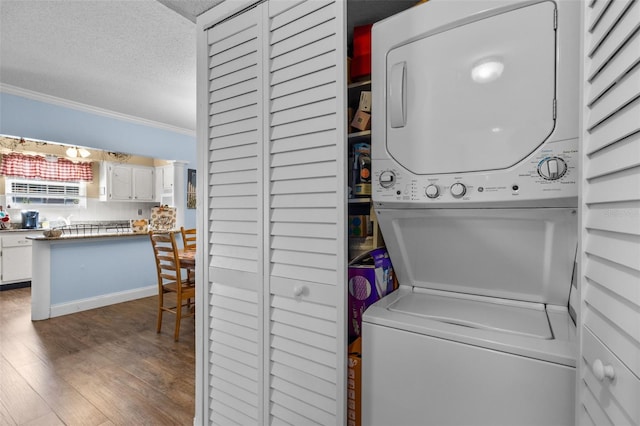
(610, 309)
(305, 251)
(234, 217)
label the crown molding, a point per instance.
(41, 97)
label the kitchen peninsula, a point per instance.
(73, 273)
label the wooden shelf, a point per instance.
(359, 84)
(359, 136)
(359, 200)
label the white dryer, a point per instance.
(474, 157)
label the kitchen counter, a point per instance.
(73, 273)
(12, 230)
(89, 236)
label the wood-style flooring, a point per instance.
(105, 366)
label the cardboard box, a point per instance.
(163, 218)
(362, 40)
(361, 62)
(371, 277)
(361, 121)
(354, 384)
(139, 225)
(365, 101)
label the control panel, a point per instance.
(551, 172)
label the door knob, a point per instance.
(602, 371)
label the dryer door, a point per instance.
(479, 96)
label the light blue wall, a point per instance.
(84, 269)
(33, 119)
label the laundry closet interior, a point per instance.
(285, 136)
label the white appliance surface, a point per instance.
(475, 103)
(519, 254)
(474, 160)
(487, 313)
(419, 379)
(474, 69)
(454, 359)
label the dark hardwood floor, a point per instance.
(105, 366)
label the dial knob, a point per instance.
(432, 191)
(387, 179)
(458, 189)
(552, 168)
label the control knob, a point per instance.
(458, 189)
(432, 191)
(552, 168)
(387, 179)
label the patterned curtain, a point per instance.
(37, 167)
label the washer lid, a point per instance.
(525, 319)
(517, 254)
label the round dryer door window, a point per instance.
(479, 96)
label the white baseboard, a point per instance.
(100, 301)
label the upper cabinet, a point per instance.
(165, 184)
(126, 182)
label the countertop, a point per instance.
(89, 236)
(11, 230)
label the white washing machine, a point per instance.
(475, 165)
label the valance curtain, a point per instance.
(37, 167)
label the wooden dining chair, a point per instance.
(188, 238)
(170, 280)
(189, 243)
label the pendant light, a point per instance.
(73, 152)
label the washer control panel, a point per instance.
(550, 172)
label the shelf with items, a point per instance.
(364, 234)
(359, 108)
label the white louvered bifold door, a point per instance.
(609, 377)
(233, 214)
(305, 213)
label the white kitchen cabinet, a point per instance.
(126, 182)
(15, 265)
(609, 331)
(143, 183)
(165, 184)
(166, 178)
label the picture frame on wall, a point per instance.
(191, 188)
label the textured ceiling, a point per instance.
(133, 57)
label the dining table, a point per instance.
(187, 258)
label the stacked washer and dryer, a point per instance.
(475, 162)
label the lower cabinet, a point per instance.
(15, 257)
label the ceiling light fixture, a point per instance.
(73, 152)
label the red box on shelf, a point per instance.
(362, 40)
(360, 66)
(361, 62)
